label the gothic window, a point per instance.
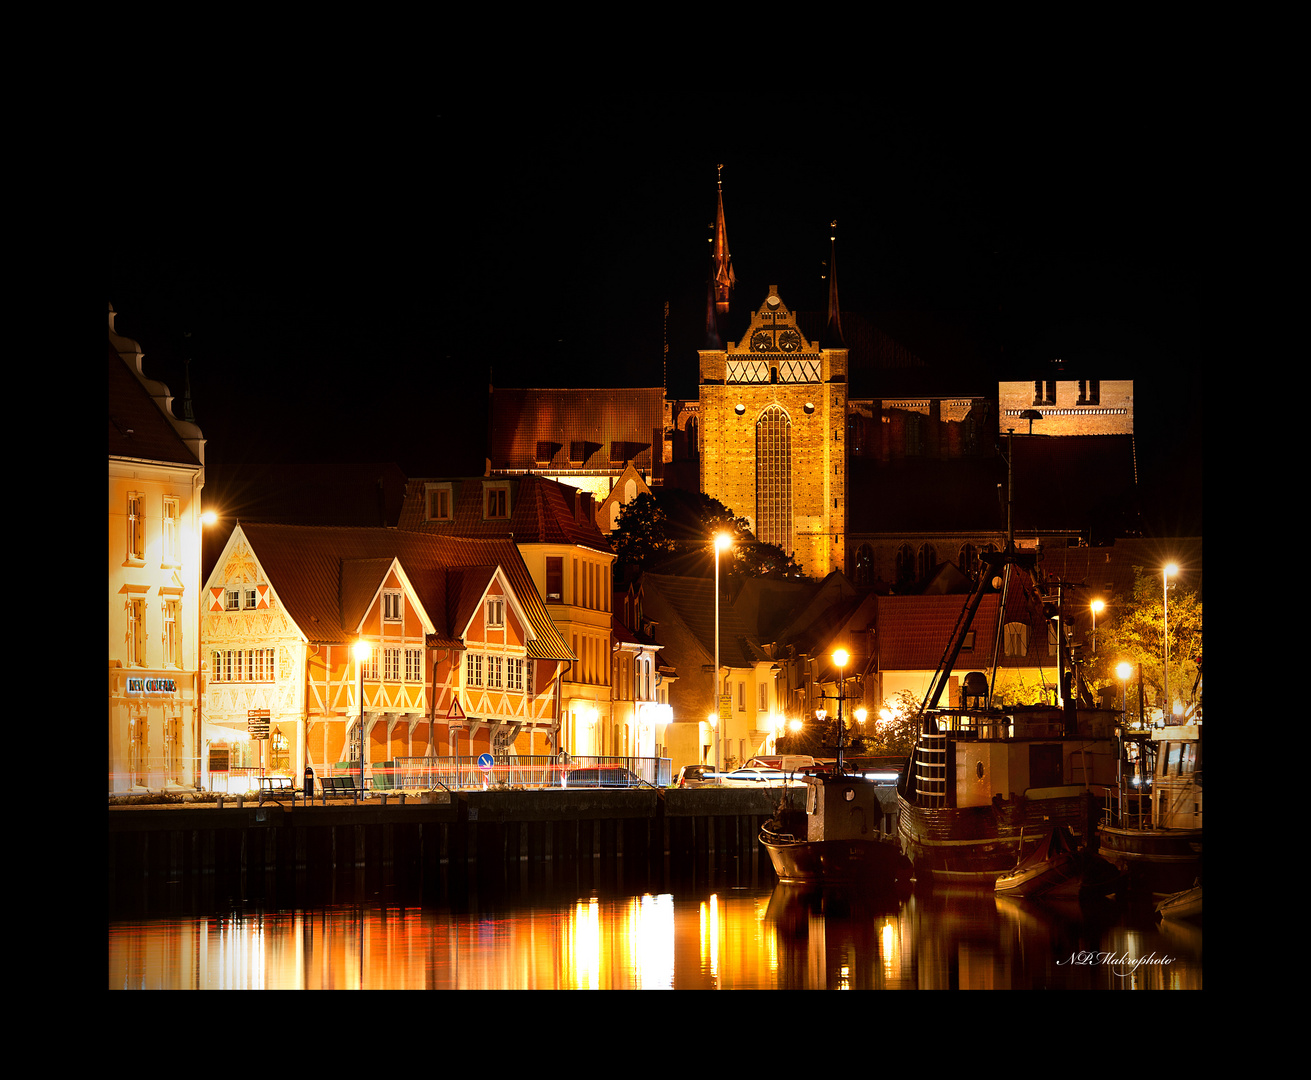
(865, 565)
(969, 560)
(928, 559)
(905, 564)
(774, 478)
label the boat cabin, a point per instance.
(847, 809)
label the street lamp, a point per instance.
(1097, 606)
(840, 657)
(362, 652)
(722, 543)
(207, 518)
(1170, 570)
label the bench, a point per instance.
(343, 786)
(272, 786)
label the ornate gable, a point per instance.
(774, 350)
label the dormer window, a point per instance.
(439, 502)
(496, 503)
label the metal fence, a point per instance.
(540, 771)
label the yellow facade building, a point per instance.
(156, 473)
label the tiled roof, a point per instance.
(320, 574)
(541, 512)
(137, 427)
(914, 631)
(560, 430)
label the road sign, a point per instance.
(485, 762)
(455, 712)
(257, 723)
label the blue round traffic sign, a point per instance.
(484, 762)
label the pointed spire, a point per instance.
(724, 279)
(833, 328)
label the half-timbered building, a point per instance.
(446, 637)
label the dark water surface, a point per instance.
(693, 937)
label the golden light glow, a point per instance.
(362, 651)
(723, 541)
(208, 517)
(1171, 569)
(861, 715)
(1098, 606)
(1123, 669)
(840, 657)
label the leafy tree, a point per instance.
(672, 531)
(1136, 633)
(895, 729)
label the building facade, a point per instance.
(773, 418)
(446, 638)
(156, 475)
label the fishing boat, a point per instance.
(837, 835)
(984, 784)
(1152, 830)
(1182, 905)
(1058, 870)
(840, 833)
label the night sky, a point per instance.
(349, 285)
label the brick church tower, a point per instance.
(773, 418)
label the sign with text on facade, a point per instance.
(140, 685)
(726, 705)
(257, 723)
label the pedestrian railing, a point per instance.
(538, 771)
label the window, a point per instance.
(762, 704)
(136, 633)
(136, 526)
(249, 599)
(172, 544)
(393, 603)
(741, 697)
(439, 502)
(514, 674)
(497, 502)
(232, 600)
(774, 478)
(494, 664)
(928, 561)
(473, 669)
(555, 579)
(414, 665)
(243, 665)
(496, 611)
(1017, 639)
(391, 665)
(172, 634)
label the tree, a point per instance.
(896, 726)
(1136, 634)
(672, 531)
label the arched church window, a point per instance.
(905, 564)
(928, 559)
(774, 478)
(865, 565)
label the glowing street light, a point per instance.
(840, 657)
(1170, 570)
(1097, 606)
(722, 543)
(362, 653)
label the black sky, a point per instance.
(349, 284)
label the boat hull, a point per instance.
(1160, 861)
(1182, 905)
(877, 863)
(977, 844)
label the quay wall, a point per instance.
(285, 853)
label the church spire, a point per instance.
(833, 328)
(724, 279)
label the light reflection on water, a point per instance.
(731, 939)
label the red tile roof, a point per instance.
(137, 426)
(322, 575)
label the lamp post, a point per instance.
(840, 657)
(1170, 570)
(362, 652)
(722, 542)
(207, 518)
(1097, 606)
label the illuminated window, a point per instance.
(172, 543)
(136, 526)
(136, 633)
(1017, 639)
(172, 634)
(774, 478)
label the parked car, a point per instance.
(695, 776)
(600, 776)
(758, 778)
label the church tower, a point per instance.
(773, 410)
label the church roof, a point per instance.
(592, 430)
